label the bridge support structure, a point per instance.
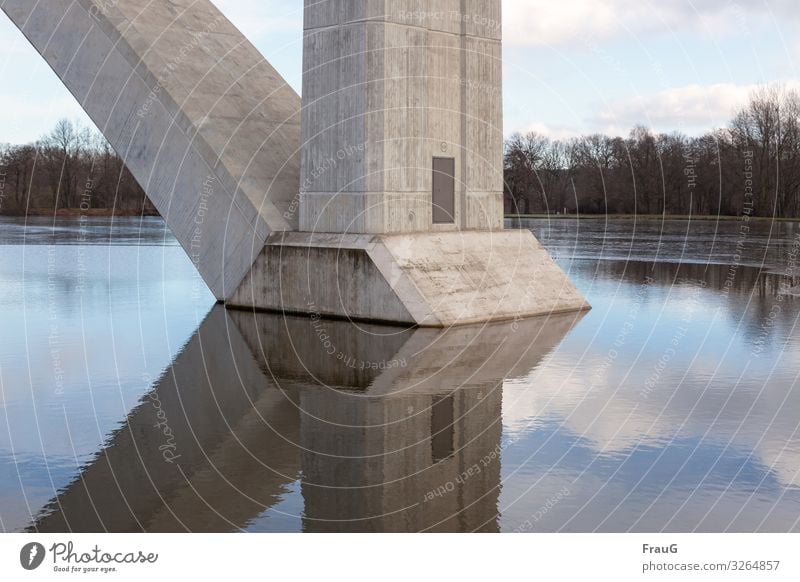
(379, 196)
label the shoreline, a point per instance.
(77, 213)
(682, 217)
(108, 213)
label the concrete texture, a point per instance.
(429, 280)
(388, 86)
(208, 128)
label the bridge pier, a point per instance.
(379, 197)
(401, 197)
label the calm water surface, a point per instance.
(130, 402)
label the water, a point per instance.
(130, 402)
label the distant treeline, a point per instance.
(750, 167)
(72, 170)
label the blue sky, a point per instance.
(571, 66)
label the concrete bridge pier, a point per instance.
(401, 176)
(378, 197)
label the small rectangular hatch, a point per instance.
(444, 190)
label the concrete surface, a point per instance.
(388, 86)
(430, 280)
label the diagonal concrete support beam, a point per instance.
(205, 124)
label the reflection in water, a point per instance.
(389, 430)
(206, 450)
(671, 406)
(725, 242)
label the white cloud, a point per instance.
(36, 99)
(682, 108)
(691, 109)
(554, 131)
(605, 407)
(544, 22)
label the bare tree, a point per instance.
(668, 173)
(71, 167)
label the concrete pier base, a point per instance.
(426, 280)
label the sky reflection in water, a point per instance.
(129, 403)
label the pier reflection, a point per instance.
(382, 429)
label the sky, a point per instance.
(571, 67)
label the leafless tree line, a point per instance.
(72, 168)
(752, 166)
